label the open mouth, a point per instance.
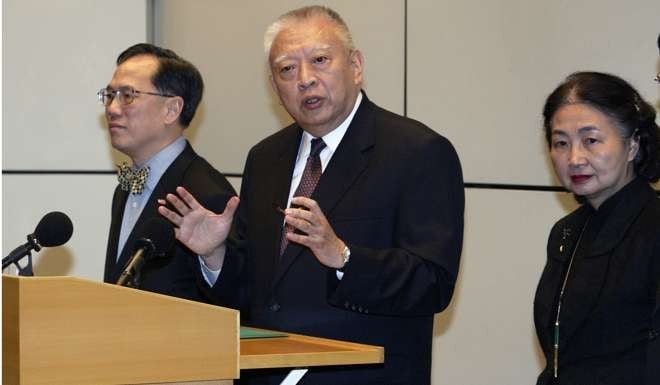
(313, 102)
(579, 179)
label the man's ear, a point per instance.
(357, 62)
(174, 107)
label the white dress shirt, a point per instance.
(135, 203)
(332, 140)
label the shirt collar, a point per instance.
(159, 163)
(334, 137)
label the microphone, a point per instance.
(157, 239)
(54, 229)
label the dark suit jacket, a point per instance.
(606, 318)
(178, 274)
(393, 191)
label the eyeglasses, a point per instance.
(125, 95)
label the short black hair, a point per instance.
(617, 99)
(175, 76)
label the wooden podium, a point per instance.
(66, 330)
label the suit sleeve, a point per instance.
(415, 274)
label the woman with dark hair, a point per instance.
(596, 304)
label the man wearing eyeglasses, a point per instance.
(150, 100)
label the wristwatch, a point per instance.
(345, 255)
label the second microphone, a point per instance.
(156, 241)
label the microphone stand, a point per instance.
(25, 271)
(20, 252)
(130, 277)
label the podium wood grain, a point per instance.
(65, 330)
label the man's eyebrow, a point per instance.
(285, 56)
(280, 58)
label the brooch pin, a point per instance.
(565, 233)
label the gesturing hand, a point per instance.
(201, 230)
(319, 235)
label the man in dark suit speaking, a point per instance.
(350, 221)
(150, 100)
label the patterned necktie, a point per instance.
(132, 180)
(308, 181)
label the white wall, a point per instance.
(480, 71)
(477, 72)
(487, 334)
(56, 56)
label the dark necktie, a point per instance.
(132, 180)
(308, 181)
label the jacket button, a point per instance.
(274, 307)
(653, 334)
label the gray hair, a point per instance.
(306, 13)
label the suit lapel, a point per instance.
(285, 158)
(278, 181)
(347, 163)
(167, 183)
(118, 203)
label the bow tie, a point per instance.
(132, 180)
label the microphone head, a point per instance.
(157, 237)
(54, 229)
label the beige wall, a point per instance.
(477, 72)
(55, 57)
